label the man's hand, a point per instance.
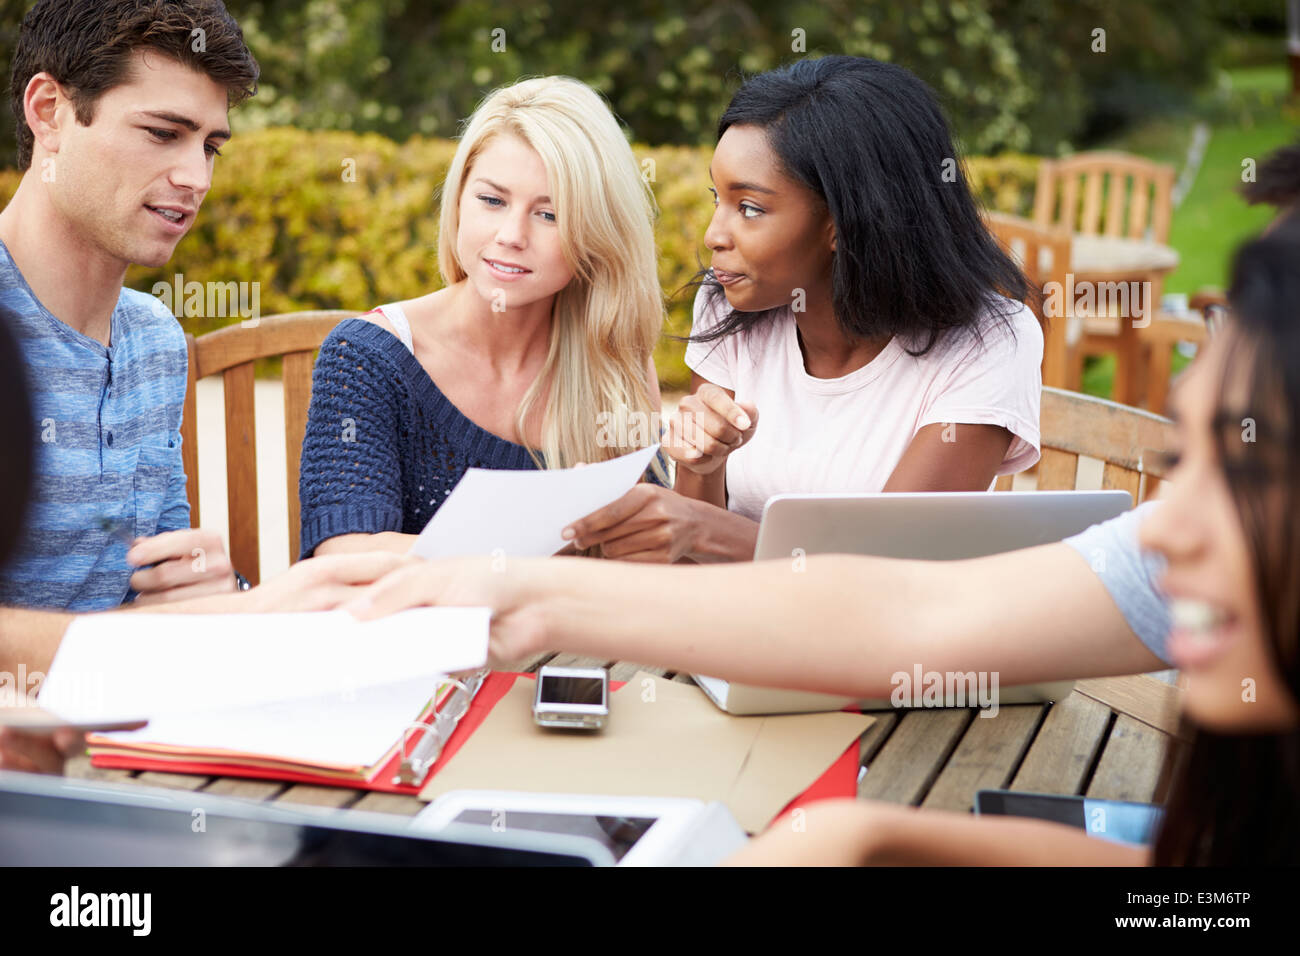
(38, 752)
(186, 564)
(316, 584)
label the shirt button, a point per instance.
(110, 439)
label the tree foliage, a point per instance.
(1012, 74)
(328, 219)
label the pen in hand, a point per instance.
(121, 531)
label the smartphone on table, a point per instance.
(576, 698)
(1119, 820)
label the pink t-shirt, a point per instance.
(847, 434)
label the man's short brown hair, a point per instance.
(87, 45)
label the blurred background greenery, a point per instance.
(385, 83)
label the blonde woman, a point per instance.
(545, 328)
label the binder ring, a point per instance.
(457, 704)
(415, 766)
(423, 728)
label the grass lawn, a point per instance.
(1213, 219)
(1248, 119)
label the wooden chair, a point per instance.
(1043, 253)
(1123, 438)
(1159, 340)
(1138, 195)
(1121, 196)
(232, 351)
(1169, 330)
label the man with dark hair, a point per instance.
(121, 107)
(29, 638)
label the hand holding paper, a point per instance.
(521, 513)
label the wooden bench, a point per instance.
(1130, 443)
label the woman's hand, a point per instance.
(828, 833)
(707, 427)
(320, 584)
(39, 752)
(649, 523)
(851, 832)
(518, 628)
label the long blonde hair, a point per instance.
(606, 321)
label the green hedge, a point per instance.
(284, 214)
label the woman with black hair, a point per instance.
(1229, 530)
(856, 299)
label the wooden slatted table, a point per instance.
(1106, 740)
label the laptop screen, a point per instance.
(54, 822)
(932, 526)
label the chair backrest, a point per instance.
(1043, 254)
(1122, 438)
(1135, 194)
(232, 351)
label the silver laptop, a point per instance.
(937, 526)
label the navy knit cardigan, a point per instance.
(383, 447)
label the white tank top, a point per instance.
(394, 314)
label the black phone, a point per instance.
(1119, 820)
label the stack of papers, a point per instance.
(319, 690)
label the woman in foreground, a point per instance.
(1230, 531)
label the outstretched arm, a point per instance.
(858, 833)
(841, 624)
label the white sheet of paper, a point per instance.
(124, 666)
(354, 728)
(521, 513)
